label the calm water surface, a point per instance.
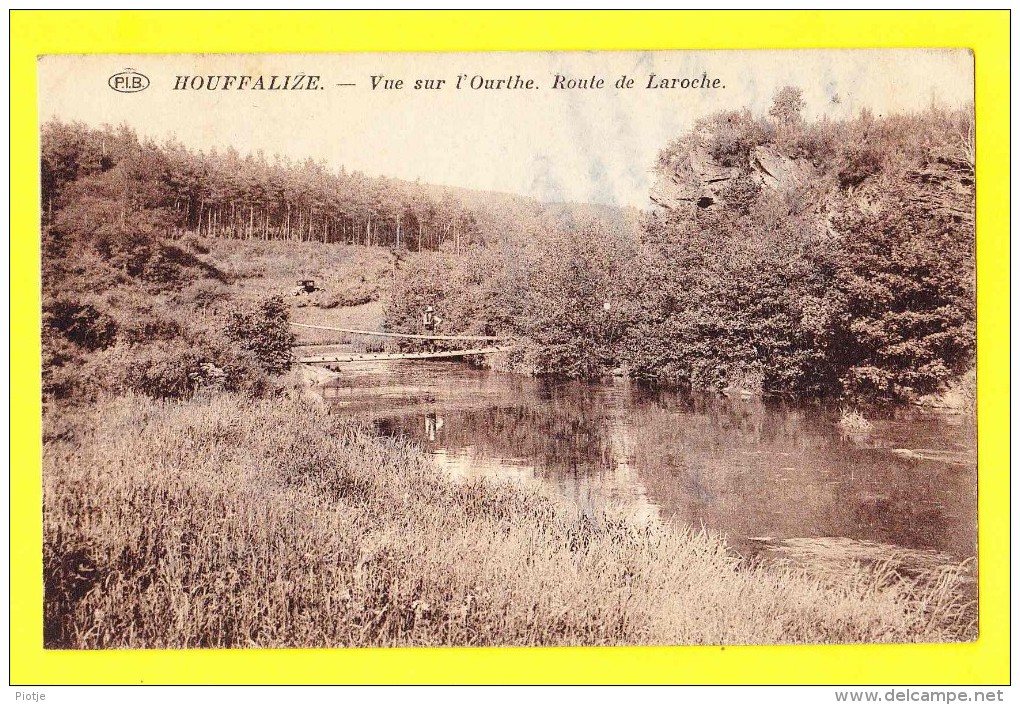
(743, 468)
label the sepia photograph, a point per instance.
(604, 348)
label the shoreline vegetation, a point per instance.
(197, 495)
(227, 522)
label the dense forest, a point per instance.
(222, 194)
(825, 258)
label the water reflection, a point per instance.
(744, 468)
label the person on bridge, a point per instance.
(430, 320)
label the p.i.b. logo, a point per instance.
(128, 81)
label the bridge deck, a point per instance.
(384, 334)
(365, 357)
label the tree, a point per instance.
(787, 105)
(902, 298)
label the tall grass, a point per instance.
(217, 523)
(853, 421)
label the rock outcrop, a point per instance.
(779, 172)
(702, 181)
(947, 187)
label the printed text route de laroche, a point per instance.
(477, 82)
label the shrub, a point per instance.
(787, 105)
(265, 332)
(195, 243)
(356, 294)
(220, 523)
(164, 371)
(125, 250)
(205, 295)
(60, 361)
(732, 136)
(81, 323)
(857, 163)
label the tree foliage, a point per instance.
(225, 194)
(787, 105)
(265, 332)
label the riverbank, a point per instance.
(225, 522)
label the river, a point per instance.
(755, 472)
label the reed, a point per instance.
(853, 421)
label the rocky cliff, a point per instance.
(703, 181)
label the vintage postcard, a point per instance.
(508, 349)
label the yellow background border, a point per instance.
(986, 33)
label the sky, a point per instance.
(554, 144)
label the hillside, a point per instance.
(152, 252)
(167, 318)
(253, 197)
(826, 258)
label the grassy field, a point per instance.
(353, 283)
(346, 274)
(225, 522)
